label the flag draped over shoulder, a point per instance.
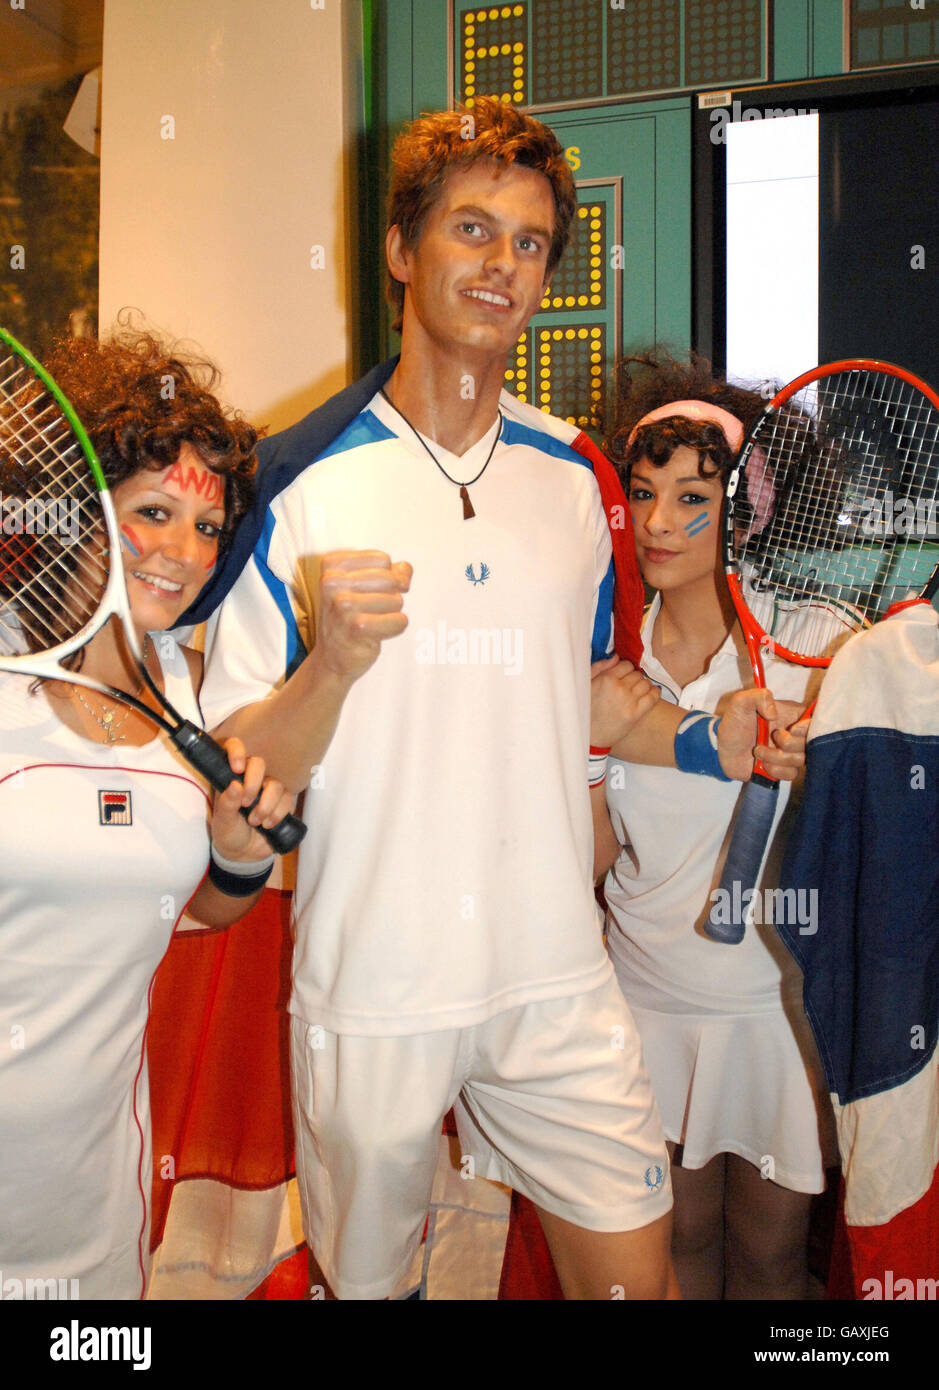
(225, 1209)
(866, 841)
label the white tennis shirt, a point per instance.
(446, 875)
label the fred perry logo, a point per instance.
(654, 1178)
(470, 573)
(115, 808)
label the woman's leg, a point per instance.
(766, 1235)
(698, 1230)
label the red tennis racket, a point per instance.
(831, 520)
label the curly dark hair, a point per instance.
(430, 147)
(653, 379)
(656, 378)
(141, 400)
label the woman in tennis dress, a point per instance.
(105, 839)
(731, 1057)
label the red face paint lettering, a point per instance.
(175, 475)
(198, 480)
(214, 488)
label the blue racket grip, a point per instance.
(727, 918)
(209, 758)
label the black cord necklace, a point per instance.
(468, 511)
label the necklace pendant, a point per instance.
(468, 512)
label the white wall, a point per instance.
(209, 232)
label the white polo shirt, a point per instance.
(446, 875)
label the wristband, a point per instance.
(596, 766)
(696, 746)
(236, 878)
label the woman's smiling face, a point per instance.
(169, 523)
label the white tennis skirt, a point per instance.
(749, 1084)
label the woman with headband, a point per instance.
(728, 1048)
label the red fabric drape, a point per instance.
(869, 1261)
(218, 1045)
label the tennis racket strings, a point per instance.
(847, 504)
(54, 547)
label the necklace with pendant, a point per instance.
(107, 719)
(468, 512)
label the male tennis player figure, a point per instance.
(448, 951)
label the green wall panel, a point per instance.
(807, 39)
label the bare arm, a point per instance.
(651, 740)
(606, 847)
(361, 601)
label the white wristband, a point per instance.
(243, 868)
(596, 766)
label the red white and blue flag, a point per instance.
(867, 843)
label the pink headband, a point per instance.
(761, 492)
(696, 410)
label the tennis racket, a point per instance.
(61, 571)
(830, 523)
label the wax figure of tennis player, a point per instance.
(105, 838)
(728, 1047)
(448, 951)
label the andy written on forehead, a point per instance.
(150, 411)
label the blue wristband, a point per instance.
(696, 746)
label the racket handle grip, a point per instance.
(209, 758)
(726, 921)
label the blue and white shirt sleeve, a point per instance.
(255, 641)
(602, 637)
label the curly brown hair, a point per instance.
(649, 380)
(430, 147)
(141, 400)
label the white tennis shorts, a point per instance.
(551, 1099)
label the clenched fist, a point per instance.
(362, 597)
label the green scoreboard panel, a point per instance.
(551, 53)
(561, 360)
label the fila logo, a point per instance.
(114, 808)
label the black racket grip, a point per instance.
(727, 919)
(209, 758)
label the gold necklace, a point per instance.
(106, 719)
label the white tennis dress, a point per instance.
(101, 849)
(724, 1037)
